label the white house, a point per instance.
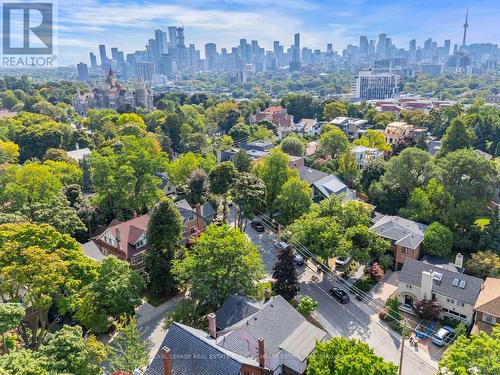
(364, 154)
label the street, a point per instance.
(347, 320)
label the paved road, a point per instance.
(344, 320)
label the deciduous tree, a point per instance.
(286, 281)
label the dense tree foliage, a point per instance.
(286, 281)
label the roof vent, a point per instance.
(437, 276)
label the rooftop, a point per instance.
(405, 233)
(450, 284)
(489, 297)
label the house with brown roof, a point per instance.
(127, 240)
(278, 116)
(397, 131)
(487, 306)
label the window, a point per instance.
(462, 285)
(141, 242)
(488, 318)
(404, 250)
(455, 282)
(139, 259)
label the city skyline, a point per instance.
(91, 23)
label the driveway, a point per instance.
(353, 320)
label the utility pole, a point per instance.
(402, 348)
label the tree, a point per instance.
(165, 230)
(333, 143)
(333, 110)
(123, 175)
(181, 168)
(376, 272)
(222, 177)
(10, 317)
(221, 262)
(249, 193)
(457, 136)
(438, 240)
(240, 133)
(299, 105)
(274, 172)
(129, 351)
(115, 292)
(36, 139)
(286, 281)
(343, 356)
(66, 351)
(307, 305)
(408, 170)
(262, 133)
(242, 161)
(483, 264)
(480, 354)
(428, 309)
(373, 138)
(292, 145)
(9, 152)
(197, 187)
(22, 362)
(294, 199)
(348, 168)
(372, 172)
(365, 244)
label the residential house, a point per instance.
(364, 154)
(245, 337)
(350, 126)
(166, 185)
(434, 145)
(127, 240)
(455, 292)
(487, 306)
(79, 154)
(307, 126)
(324, 185)
(397, 131)
(90, 250)
(405, 236)
(278, 116)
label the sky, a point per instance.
(127, 24)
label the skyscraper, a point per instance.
(172, 36)
(466, 25)
(114, 53)
(363, 45)
(83, 73)
(93, 61)
(102, 54)
(296, 46)
(211, 56)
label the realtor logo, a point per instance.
(27, 28)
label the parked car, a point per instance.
(444, 336)
(258, 226)
(343, 261)
(298, 259)
(280, 245)
(339, 294)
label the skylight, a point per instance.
(462, 284)
(455, 282)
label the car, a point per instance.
(339, 294)
(343, 261)
(280, 245)
(298, 259)
(444, 336)
(258, 226)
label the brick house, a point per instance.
(127, 240)
(405, 236)
(278, 116)
(487, 306)
(396, 131)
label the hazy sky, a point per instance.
(83, 24)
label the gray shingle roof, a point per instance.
(412, 274)
(310, 175)
(193, 352)
(276, 322)
(404, 232)
(330, 185)
(91, 250)
(234, 309)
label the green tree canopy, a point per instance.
(221, 262)
(343, 356)
(333, 143)
(438, 240)
(457, 136)
(294, 200)
(286, 281)
(292, 145)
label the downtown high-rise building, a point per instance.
(83, 72)
(211, 56)
(93, 61)
(376, 86)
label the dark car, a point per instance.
(339, 294)
(258, 226)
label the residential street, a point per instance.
(347, 320)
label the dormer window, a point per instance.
(141, 242)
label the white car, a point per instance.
(280, 245)
(444, 336)
(298, 259)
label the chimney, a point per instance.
(198, 217)
(426, 285)
(77, 146)
(459, 260)
(166, 360)
(212, 326)
(261, 352)
(267, 294)
(117, 236)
